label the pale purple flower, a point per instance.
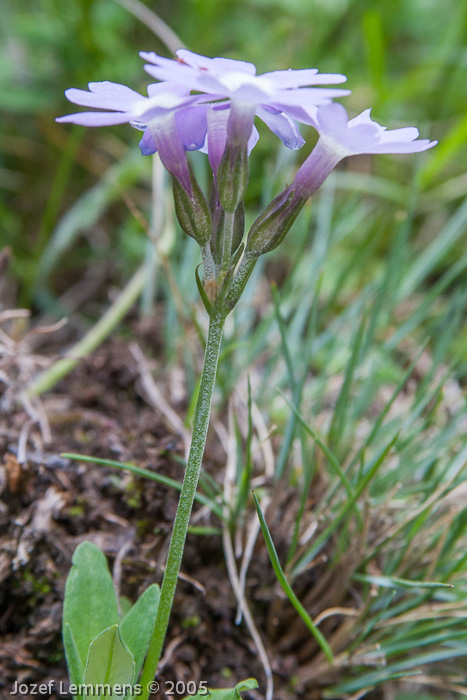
(340, 137)
(278, 97)
(172, 119)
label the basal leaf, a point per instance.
(90, 605)
(137, 625)
(110, 664)
(75, 667)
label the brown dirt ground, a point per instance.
(50, 504)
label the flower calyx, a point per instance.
(273, 224)
(192, 210)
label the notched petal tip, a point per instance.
(148, 55)
(423, 145)
(99, 85)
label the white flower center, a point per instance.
(335, 147)
(164, 100)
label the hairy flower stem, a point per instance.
(243, 275)
(187, 494)
(208, 262)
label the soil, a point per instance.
(49, 504)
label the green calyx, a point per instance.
(273, 224)
(192, 210)
(232, 177)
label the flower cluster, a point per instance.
(210, 105)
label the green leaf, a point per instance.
(333, 461)
(137, 626)
(281, 577)
(90, 604)
(110, 663)
(159, 478)
(367, 681)
(371, 470)
(74, 664)
(395, 582)
(225, 693)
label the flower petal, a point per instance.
(156, 89)
(333, 120)
(170, 147)
(286, 79)
(363, 135)
(304, 98)
(329, 79)
(253, 140)
(147, 144)
(192, 126)
(217, 136)
(281, 125)
(168, 69)
(105, 95)
(363, 118)
(237, 80)
(407, 133)
(221, 65)
(402, 146)
(95, 118)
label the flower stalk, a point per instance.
(241, 278)
(187, 494)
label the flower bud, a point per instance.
(271, 227)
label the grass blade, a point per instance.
(165, 480)
(395, 582)
(349, 504)
(329, 454)
(246, 472)
(317, 634)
